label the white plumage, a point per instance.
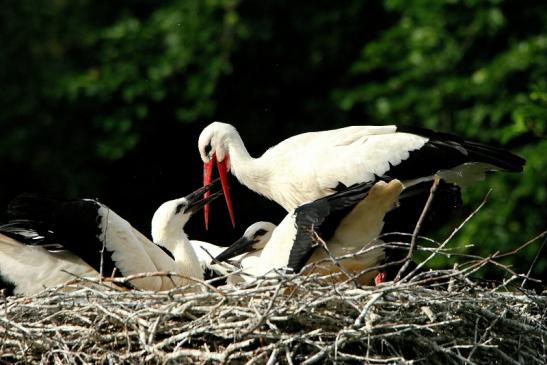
(308, 166)
(292, 244)
(205, 253)
(84, 228)
(28, 269)
(245, 252)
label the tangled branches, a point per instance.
(434, 317)
(291, 319)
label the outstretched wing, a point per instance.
(317, 162)
(96, 234)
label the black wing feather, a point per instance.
(73, 224)
(445, 151)
(322, 216)
(27, 232)
(6, 286)
(308, 217)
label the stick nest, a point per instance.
(292, 319)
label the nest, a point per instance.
(291, 319)
(434, 317)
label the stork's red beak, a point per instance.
(222, 167)
(207, 173)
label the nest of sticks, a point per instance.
(433, 317)
(438, 317)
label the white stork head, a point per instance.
(255, 238)
(213, 141)
(213, 145)
(170, 218)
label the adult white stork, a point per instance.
(89, 232)
(348, 221)
(308, 166)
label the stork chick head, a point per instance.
(169, 220)
(258, 234)
(255, 238)
(171, 217)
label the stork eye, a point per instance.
(260, 232)
(180, 207)
(208, 148)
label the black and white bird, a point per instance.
(252, 242)
(309, 166)
(28, 266)
(98, 239)
(244, 253)
(205, 253)
(348, 221)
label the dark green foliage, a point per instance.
(479, 69)
(106, 99)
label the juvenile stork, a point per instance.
(348, 221)
(245, 252)
(362, 218)
(252, 242)
(309, 166)
(89, 238)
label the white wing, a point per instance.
(32, 268)
(205, 252)
(133, 253)
(310, 165)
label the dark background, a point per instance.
(107, 99)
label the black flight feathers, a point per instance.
(30, 233)
(445, 151)
(312, 217)
(53, 212)
(324, 215)
(75, 225)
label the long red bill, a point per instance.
(207, 173)
(222, 167)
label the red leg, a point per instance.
(380, 278)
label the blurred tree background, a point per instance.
(106, 99)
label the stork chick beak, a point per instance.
(197, 200)
(242, 245)
(222, 167)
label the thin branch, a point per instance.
(417, 228)
(534, 262)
